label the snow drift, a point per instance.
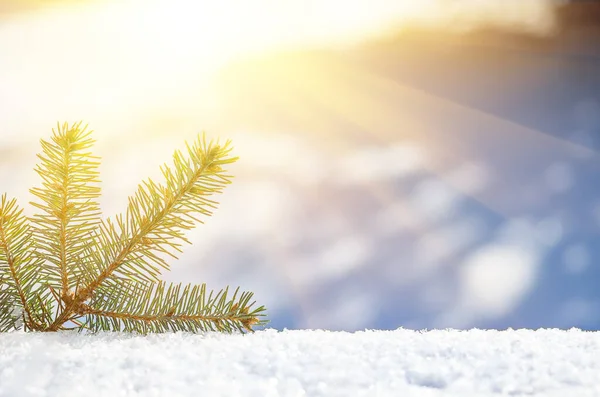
(303, 363)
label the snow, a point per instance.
(303, 363)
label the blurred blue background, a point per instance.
(424, 179)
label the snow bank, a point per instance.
(303, 363)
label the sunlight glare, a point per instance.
(113, 60)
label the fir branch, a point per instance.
(161, 307)
(72, 267)
(69, 210)
(18, 265)
(135, 245)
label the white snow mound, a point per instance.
(303, 363)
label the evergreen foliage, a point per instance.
(68, 268)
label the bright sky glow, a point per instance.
(109, 59)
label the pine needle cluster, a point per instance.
(66, 267)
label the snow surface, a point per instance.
(303, 363)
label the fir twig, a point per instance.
(71, 266)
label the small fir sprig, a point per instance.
(68, 268)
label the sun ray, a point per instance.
(391, 111)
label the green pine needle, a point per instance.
(66, 265)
